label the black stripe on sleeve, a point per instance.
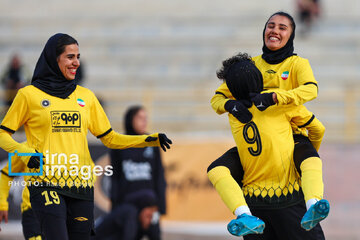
(3, 172)
(311, 83)
(7, 129)
(220, 93)
(308, 122)
(105, 133)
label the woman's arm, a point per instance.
(222, 95)
(115, 140)
(307, 88)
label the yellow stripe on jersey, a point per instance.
(58, 128)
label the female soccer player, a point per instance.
(281, 69)
(270, 185)
(57, 114)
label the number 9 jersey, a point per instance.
(266, 147)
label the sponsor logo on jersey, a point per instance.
(285, 75)
(270, 71)
(45, 103)
(81, 219)
(66, 121)
(81, 102)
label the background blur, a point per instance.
(164, 55)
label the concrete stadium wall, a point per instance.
(164, 54)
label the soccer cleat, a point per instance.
(317, 212)
(246, 224)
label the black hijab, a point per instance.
(47, 75)
(129, 116)
(275, 57)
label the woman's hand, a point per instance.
(263, 100)
(3, 215)
(163, 140)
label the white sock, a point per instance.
(311, 202)
(242, 209)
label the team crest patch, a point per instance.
(81, 102)
(45, 103)
(285, 75)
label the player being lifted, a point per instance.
(281, 68)
(271, 187)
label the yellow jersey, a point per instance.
(58, 128)
(266, 147)
(294, 75)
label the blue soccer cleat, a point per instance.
(245, 224)
(316, 213)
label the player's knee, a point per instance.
(303, 150)
(214, 164)
(226, 160)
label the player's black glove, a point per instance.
(163, 140)
(262, 100)
(239, 110)
(34, 162)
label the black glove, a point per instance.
(163, 140)
(239, 110)
(34, 162)
(262, 101)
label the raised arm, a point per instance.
(222, 95)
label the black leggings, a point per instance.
(303, 149)
(30, 225)
(62, 217)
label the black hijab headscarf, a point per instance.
(129, 116)
(47, 75)
(275, 57)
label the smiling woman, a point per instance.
(69, 61)
(57, 115)
(293, 78)
(277, 32)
